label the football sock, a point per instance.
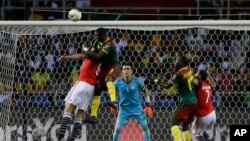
(95, 105)
(111, 89)
(146, 132)
(117, 131)
(176, 133)
(187, 135)
(76, 129)
(64, 124)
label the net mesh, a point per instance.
(34, 84)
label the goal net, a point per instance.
(33, 84)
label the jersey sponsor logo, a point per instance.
(132, 86)
(99, 45)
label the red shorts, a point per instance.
(113, 70)
(185, 112)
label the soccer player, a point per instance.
(79, 96)
(130, 102)
(185, 110)
(110, 70)
(206, 117)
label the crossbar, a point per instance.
(131, 23)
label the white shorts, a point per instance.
(81, 95)
(207, 122)
(204, 124)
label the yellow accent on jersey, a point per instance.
(190, 80)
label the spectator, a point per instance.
(226, 81)
(226, 85)
(226, 64)
(50, 60)
(82, 4)
(41, 79)
(122, 41)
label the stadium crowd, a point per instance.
(153, 53)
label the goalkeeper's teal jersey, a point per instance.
(187, 94)
(129, 98)
(112, 56)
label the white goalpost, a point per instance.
(33, 84)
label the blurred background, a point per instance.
(126, 9)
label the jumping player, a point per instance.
(79, 96)
(206, 117)
(110, 70)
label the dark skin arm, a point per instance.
(94, 55)
(164, 85)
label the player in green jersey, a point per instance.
(184, 113)
(110, 70)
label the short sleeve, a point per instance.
(140, 83)
(175, 78)
(107, 47)
(116, 83)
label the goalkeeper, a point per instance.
(187, 106)
(109, 70)
(130, 102)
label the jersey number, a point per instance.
(208, 95)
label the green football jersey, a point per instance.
(112, 56)
(184, 86)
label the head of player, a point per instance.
(127, 71)
(202, 75)
(101, 34)
(181, 62)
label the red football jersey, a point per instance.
(89, 71)
(204, 96)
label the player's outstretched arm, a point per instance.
(210, 78)
(95, 55)
(74, 57)
(163, 85)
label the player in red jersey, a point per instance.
(80, 95)
(205, 114)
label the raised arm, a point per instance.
(164, 85)
(210, 78)
(146, 95)
(94, 55)
(74, 57)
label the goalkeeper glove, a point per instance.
(148, 110)
(112, 107)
